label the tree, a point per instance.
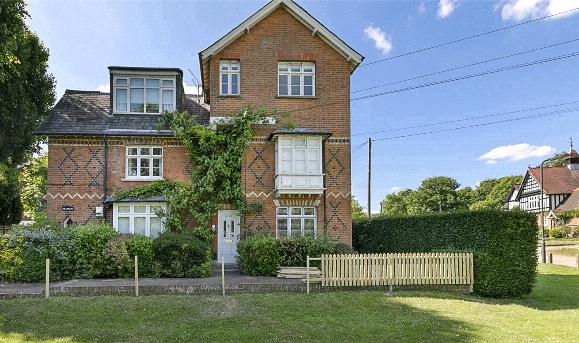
(27, 89)
(33, 181)
(436, 194)
(559, 160)
(492, 193)
(397, 203)
(10, 205)
(357, 209)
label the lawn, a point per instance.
(550, 313)
(565, 251)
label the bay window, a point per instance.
(139, 218)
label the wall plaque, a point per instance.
(68, 208)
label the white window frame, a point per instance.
(151, 161)
(292, 73)
(230, 70)
(293, 220)
(294, 150)
(140, 217)
(122, 84)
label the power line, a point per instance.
(467, 38)
(465, 119)
(465, 66)
(464, 77)
(569, 110)
(435, 83)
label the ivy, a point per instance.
(216, 176)
(568, 214)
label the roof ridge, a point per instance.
(74, 91)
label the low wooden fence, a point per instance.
(396, 269)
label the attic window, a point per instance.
(143, 95)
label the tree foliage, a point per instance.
(357, 209)
(10, 204)
(33, 181)
(27, 90)
(442, 194)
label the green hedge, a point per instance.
(91, 248)
(263, 255)
(504, 244)
(23, 255)
(182, 255)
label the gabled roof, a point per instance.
(88, 113)
(569, 204)
(300, 14)
(558, 180)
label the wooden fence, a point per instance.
(396, 269)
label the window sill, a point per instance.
(229, 96)
(137, 113)
(141, 179)
(296, 97)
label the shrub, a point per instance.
(504, 244)
(555, 233)
(142, 246)
(258, 255)
(91, 243)
(293, 252)
(23, 255)
(116, 258)
(182, 255)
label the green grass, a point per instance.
(565, 251)
(561, 241)
(550, 314)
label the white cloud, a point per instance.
(104, 88)
(395, 189)
(522, 9)
(422, 8)
(516, 152)
(445, 8)
(191, 89)
(381, 41)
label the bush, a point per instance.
(556, 233)
(258, 255)
(91, 244)
(142, 246)
(504, 244)
(182, 255)
(23, 255)
(294, 251)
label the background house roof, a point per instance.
(571, 203)
(558, 180)
(88, 113)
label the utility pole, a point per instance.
(369, 174)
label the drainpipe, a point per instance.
(324, 184)
(105, 176)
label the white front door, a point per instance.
(228, 235)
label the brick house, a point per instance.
(279, 58)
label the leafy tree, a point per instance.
(27, 91)
(559, 160)
(357, 209)
(10, 205)
(436, 194)
(33, 181)
(492, 193)
(397, 203)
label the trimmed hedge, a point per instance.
(504, 244)
(182, 255)
(263, 255)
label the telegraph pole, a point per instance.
(369, 173)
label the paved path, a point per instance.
(563, 260)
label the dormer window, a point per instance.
(143, 95)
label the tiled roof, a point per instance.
(88, 113)
(558, 180)
(571, 203)
(77, 112)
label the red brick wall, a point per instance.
(277, 38)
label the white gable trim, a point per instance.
(300, 14)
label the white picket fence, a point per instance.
(396, 269)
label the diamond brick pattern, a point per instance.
(336, 224)
(334, 168)
(68, 167)
(258, 167)
(94, 167)
(259, 224)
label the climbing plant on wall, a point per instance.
(216, 156)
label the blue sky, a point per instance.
(486, 120)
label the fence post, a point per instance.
(136, 276)
(577, 260)
(550, 258)
(223, 275)
(308, 275)
(47, 280)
